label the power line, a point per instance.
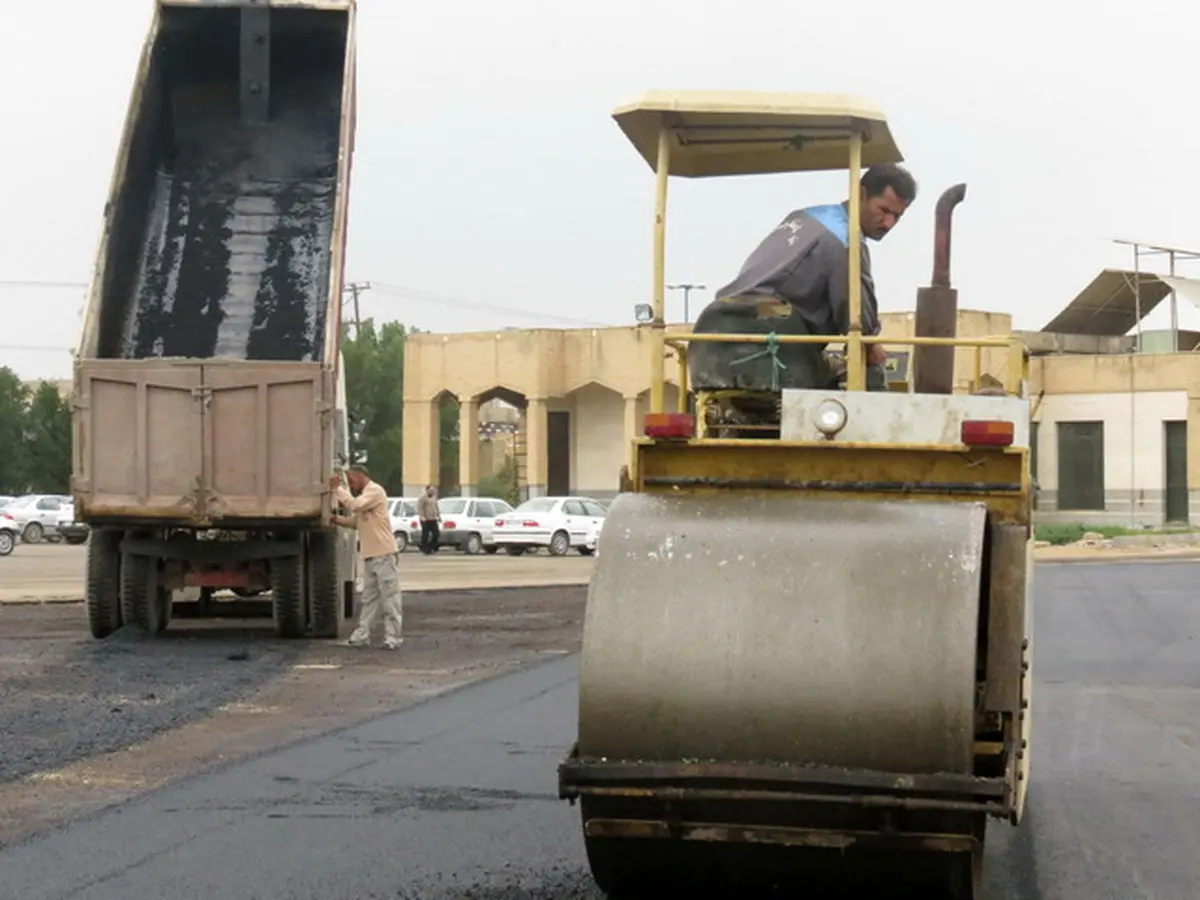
(441, 299)
(354, 289)
(8, 282)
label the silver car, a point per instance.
(37, 515)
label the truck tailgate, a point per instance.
(207, 442)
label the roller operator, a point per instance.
(796, 282)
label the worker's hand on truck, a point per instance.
(335, 481)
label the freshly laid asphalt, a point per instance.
(457, 798)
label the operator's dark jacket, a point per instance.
(795, 282)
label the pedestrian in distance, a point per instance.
(431, 517)
(380, 556)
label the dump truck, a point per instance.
(807, 644)
(209, 397)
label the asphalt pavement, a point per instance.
(456, 798)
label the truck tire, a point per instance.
(288, 606)
(324, 584)
(103, 591)
(141, 604)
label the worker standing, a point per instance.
(430, 516)
(381, 556)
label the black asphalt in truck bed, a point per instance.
(236, 247)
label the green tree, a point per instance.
(502, 483)
(14, 451)
(48, 436)
(375, 396)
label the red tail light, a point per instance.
(529, 523)
(670, 425)
(448, 524)
(499, 523)
(987, 433)
(414, 524)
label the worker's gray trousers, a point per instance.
(381, 594)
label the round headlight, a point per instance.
(831, 417)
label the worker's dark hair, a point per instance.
(361, 470)
(878, 179)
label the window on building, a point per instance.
(1080, 465)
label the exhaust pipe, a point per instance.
(937, 306)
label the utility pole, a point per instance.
(355, 288)
(687, 290)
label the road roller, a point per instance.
(807, 644)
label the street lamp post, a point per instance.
(687, 290)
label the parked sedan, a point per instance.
(37, 515)
(557, 523)
(468, 522)
(10, 534)
(68, 529)
(405, 528)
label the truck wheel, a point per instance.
(324, 584)
(103, 591)
(140, 603)
(287, 596)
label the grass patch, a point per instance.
(1068, 533)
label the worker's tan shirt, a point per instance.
(427, 508)
(370, 509)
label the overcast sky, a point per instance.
(489, 172)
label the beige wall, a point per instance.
(601, 377)
(596, 375)
(1133, 395)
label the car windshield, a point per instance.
(541, 504)
(453, 506)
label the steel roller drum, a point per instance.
(751, 628)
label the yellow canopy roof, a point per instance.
(716, 133)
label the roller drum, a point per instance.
(796, 629)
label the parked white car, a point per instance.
(10, 534)
(558, 523)
(37, 515)
(468, 523)
(406, 528)
(68, 529)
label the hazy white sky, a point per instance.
(488, 170)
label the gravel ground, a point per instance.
(89, 723)
(66, 697)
